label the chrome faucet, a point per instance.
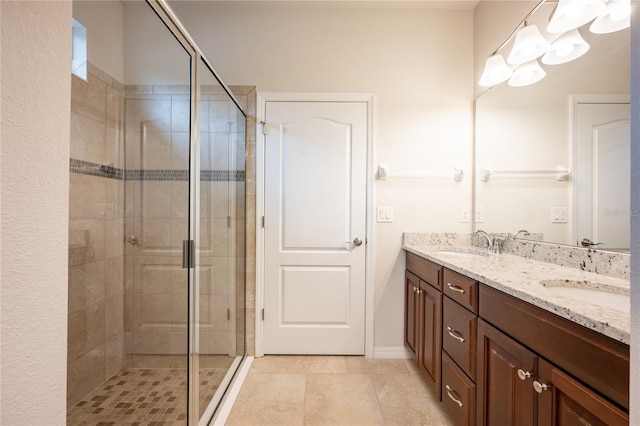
(522, 231)
(489, 243)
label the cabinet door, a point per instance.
(411, 315)
(430, 335)
(563, 401)
(504, 380)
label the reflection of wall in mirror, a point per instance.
(530, 127)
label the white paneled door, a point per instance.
(315, 221)
(603, 174)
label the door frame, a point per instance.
(262, 99)
(576, 100)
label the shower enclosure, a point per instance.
(157, 226)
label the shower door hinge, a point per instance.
(263, 221)
(188, 254)
(262, 314)
(228, 221)
(228, 314)
(264, 128)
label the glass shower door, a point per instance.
(158, 119)
(219, 319)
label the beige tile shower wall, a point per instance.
(96, 223)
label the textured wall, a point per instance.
(36, 80)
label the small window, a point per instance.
(79, 49)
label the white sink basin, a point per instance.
(603, 295)
(459, 253)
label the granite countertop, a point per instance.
(520, 277)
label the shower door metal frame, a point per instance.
(173, 24)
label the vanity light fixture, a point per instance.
(567, 48)
(615, 17)
(495, 71)
(529, 44)
(571, 14)
(528, 73)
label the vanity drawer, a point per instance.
(463, 290)
(425, 269)
(459, 331)
(458, 393)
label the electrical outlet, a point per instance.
(479, 214)
(465, 214)
(384, 214)
(559, 214)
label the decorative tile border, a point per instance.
(109, 172)
(95, 169)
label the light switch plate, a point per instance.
(559, 214)
(384, 214)
(465, 214)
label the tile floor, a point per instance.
(335, 390)
(145, 396)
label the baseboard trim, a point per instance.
(398, 352)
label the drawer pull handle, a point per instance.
(453, 333)
(450, 392)
(419, 291)
(414, 289)
(539, 387)
(523, 375)
(455, 288)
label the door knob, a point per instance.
(357, 242)
(588, 243)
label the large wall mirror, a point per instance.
(553, 157)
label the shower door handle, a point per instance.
(188, 254)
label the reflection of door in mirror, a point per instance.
(602, 175)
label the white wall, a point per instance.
(417, 61)
(36, 83)
(105, 34)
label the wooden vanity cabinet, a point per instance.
(459, 329)
(564, 401)
(411, 313)
(505, 375)
(536, 368)
(423, 317)
(494, 359)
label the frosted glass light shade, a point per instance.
(615, 17)
(495, 71)
(526, 74)
(571, 14)
(567, 48)
(529, 44)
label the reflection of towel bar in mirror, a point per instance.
(384, 173)
(561, 173)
